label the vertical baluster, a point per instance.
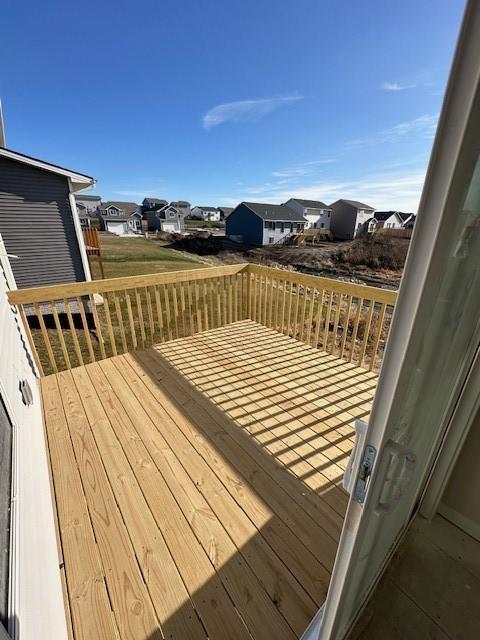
(355, 329)
(235, 297)
(326, 329)
(168, 317)
(276, 323)
(151, 324)
(335, 325)
(158, 305)
(289, 312)
(265, 300)
(98, 327)
(133, 333)
(297, 304)
(183, 310)
(61, 339)
(118, 311)
(230, 299)
(138, 300)
(310, 317)
(318, 321)
(218, 283)
(108, 318)
(367, 331)
(175, 309)
(46, 339)
(377, 335)
(284, 302)
(198, 314)
(346, 320)
(206, 322)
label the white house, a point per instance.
(212, 214)
(350, 219)
(317, 214)
(387, 220)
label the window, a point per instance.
(270, 240)
(171, 214)
(269, 224)
(322, 226)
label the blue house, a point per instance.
(259, 223)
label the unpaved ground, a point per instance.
(315, 260)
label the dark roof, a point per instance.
(226, 210)
(180, 203)
(311, 204)
(355, 203)
(384, 215)
(155, 201)
(274, 211)
(126, 207)
(79, 196)
(205, 208)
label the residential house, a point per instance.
(387, 220)
(316, 213)
(184, 208)
(349, 219)
(88, 207)
(168, 219)
(120, 218)
(225, 212)
(261, 223)
(211, 214)
(152, 204)
(39, 223)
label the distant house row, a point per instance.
(158, 215)
(262, 223)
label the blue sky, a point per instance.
(218, 101)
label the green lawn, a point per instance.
(206, 224)
(137, 256)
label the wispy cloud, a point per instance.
(395, 86)
(394, 190)
(303, 169)
(245, 110)
(423, 126)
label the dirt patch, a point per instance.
(376, 262)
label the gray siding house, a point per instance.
(260, 223)
(168, 219)
(316, 213)
(39, 222)
(120, 218)
(350, 219)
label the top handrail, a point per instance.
(366, 292)
(74, 289)
(71, 290)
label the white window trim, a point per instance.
(79, 233)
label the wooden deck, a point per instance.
(197, 484)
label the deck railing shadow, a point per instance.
(303, 529)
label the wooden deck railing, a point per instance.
(73, 324)
(344, 319)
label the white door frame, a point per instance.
(465, 413)
(438, 215)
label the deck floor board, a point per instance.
(205, 474)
